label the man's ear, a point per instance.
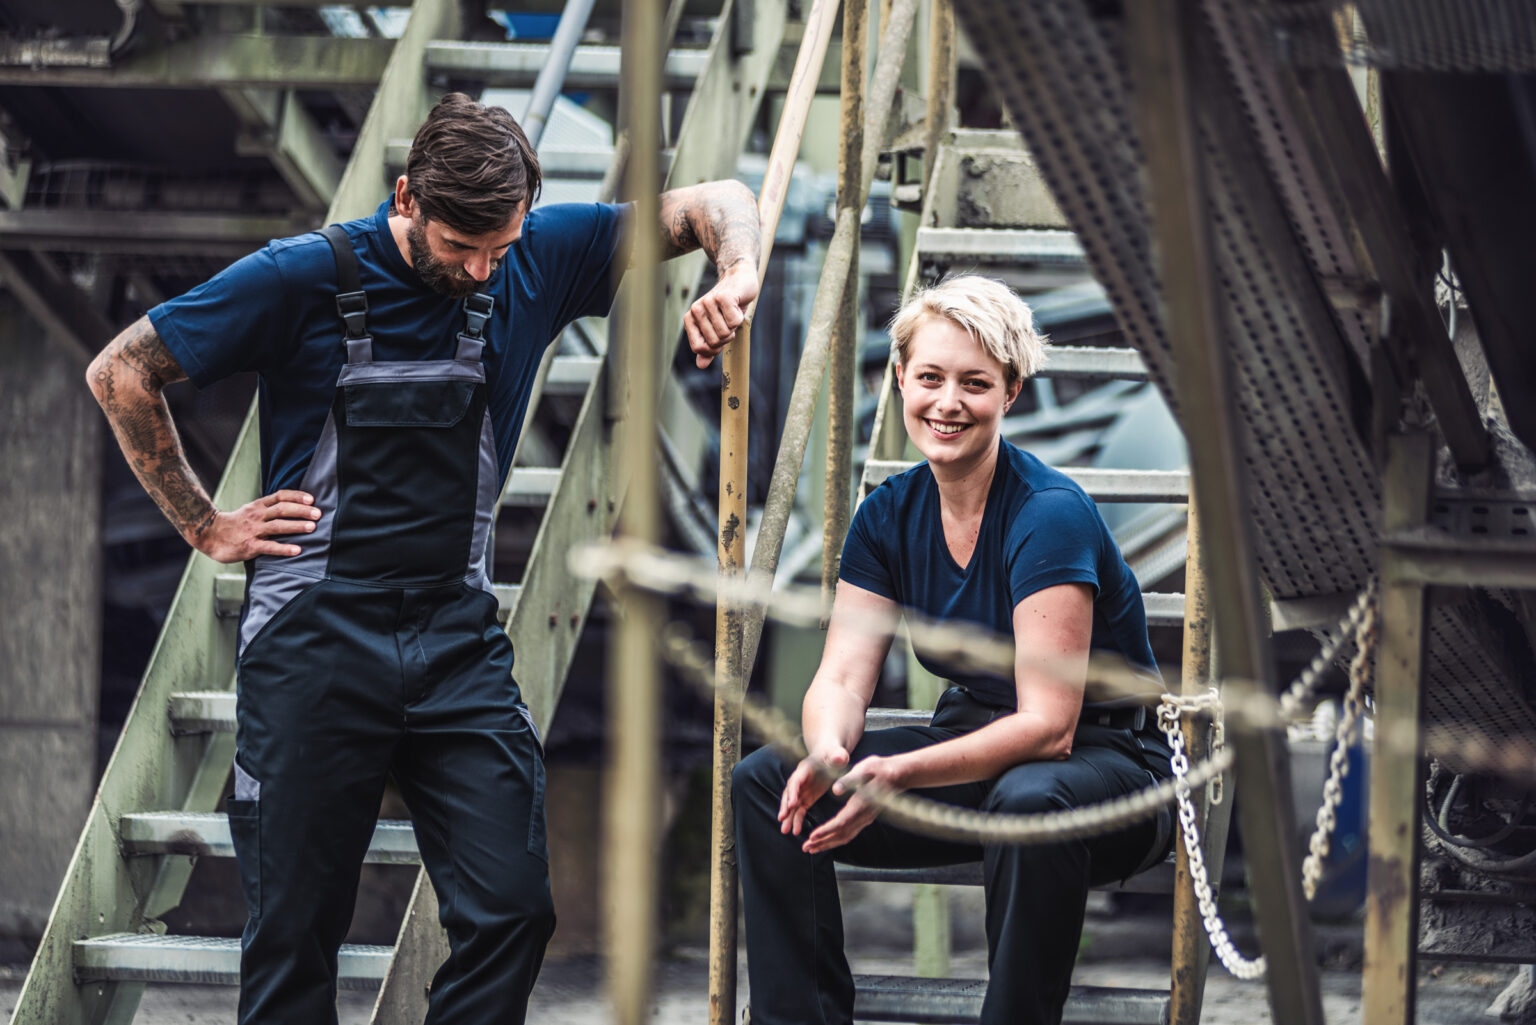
(404, 207)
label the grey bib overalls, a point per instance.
(376, 651)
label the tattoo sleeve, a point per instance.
(128, 378)
(718, 217)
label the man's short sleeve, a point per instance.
(866, 562)
(575, 248)
(236, 320)
(1055, 539)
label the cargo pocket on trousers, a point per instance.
(538, 841)
(244, 810)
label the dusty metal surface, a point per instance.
(1302, 391)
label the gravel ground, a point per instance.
(570, 993)
(1125, 945)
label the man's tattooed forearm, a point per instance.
(127, 379)
(718, 217)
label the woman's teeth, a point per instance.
(946, 428)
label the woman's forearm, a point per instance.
(985, 753)
(831, 717)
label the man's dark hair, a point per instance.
(471, 166)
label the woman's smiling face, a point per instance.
(953, 394)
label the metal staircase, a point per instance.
(1024, 245)
(155, 812)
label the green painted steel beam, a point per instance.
(116, 231)
(203, 62)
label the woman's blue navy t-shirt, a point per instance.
(1039, 529)
(274, 312)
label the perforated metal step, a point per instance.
(1093, 361)
(142, 957)
(1101, 485)
(1157, 879)
(530, 486)
(958, 1002)
(518, 64)
(206, 834)
(999, 245)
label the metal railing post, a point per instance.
(546, 88)
(735, 391)
(632, 790)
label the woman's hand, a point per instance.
(857, 812)
(805, 787)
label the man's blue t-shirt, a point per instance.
(274, 312)
(1039, 529)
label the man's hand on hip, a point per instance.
(248, 531)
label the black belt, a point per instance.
(1132, 717)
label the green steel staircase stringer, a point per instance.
(103, 892)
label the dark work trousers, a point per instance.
(377, 651)
(1036, 895)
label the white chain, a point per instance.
(1361, 623)
(1168, 721)
(1345, 735)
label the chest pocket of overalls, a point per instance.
(420, 404)
(412, 444)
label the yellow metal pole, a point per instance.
(1191, 947)
(1390, 978)
(633, 787)
(735, 391)
(841, 405)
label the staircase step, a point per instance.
(207, 834)
(572, 375)
(1094, 361)
(1157, 879)
(1101, 485)
(581, 163)
(204, 711)
(229, 593)
(518, 64)
(958, 1002)
(145, 957)
(530, 486)
(999, 245)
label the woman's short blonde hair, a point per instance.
(988, 310)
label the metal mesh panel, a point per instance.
(1277, 234)
(1407, 35)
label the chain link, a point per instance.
(1361, 623)
(1345, 735)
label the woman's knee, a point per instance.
(1028, 793)
(759, 776)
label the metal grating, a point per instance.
(1277, 240)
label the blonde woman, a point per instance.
(983, 533)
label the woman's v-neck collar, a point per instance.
(986, 513)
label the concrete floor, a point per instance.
(570, 992)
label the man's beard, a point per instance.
(434, 273)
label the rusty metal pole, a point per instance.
(1191, 946)
(941, 83)
(824, 311)
(1392, 882)
(735, 390)
(841, 400)
(1162, 38)
(632, 790)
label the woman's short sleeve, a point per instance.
(1057, 538)
(867, 560)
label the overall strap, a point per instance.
(477, 311)
(351, 302)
